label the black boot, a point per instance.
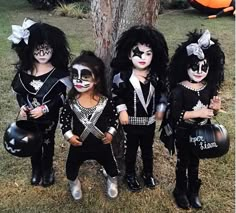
(180, 195)
(149, 180)
(147, 175)
(36, 171)
(193, 194)
(132, 182)
(48, 177)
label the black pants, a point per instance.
(187, 165)
(77, 156)
(139, 136)
(44, 157)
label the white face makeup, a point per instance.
(141, 56)
(198, 71)
(43, 53)
(83, 78)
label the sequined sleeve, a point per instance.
(113, 118)
(65, 121)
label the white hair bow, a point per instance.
(204, 42)
(21, 32)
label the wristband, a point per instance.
(112, 131)
(121, 107)
(44, 109)
(68, 135)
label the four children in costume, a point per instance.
(89, 119)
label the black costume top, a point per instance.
(89, 124)
(140, 100)
(185, 99)
(48, 89)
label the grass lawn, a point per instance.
(17, 195)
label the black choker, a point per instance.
(193, 82)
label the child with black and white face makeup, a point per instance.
(196, 74)
(141, 57)
(43, 53)
(83, 78)
(138, 91)
(94, 123)
(40, 85)
(198, 70)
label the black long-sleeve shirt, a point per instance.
(126, 95)
(186, 99)
(69, 122)
(48, 89)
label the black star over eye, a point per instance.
(137, 52)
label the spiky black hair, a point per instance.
(142, 34)
(180, 61)
(41, 33)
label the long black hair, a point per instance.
(41, 33)
(180, 61)
(89, 59)
(142, 34)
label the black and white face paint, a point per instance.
(141, 56)
(83, 78)
(198, 70)
(43, 53)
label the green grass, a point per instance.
(17, 195)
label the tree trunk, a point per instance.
(112, 17)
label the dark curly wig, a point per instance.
(142, 34)
(180, 61)
(41, 33)
(89, 59)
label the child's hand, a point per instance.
(108, 138)
(36, 112)
(205, 113)
(74, 141)
(215, 103)
(23, 111)
(124, 117)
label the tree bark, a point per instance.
(112, 17)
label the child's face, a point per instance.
(83, 78)
(198, 70)
(141, 56)
(43, 53)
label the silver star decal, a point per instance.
(199, 105)
(47, 141)
(117, 80)
(37, 84)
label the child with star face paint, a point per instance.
(94, 123)
(40, 86)
(138, 91)
(196, 74)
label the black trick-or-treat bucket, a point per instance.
(209, 141)
(22, 138)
